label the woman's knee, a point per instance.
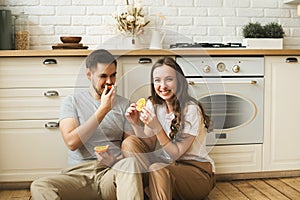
(133, 144)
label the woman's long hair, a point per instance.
(181, 98)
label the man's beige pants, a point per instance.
(87, 181)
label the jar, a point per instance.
(21, 32)
(6, 34)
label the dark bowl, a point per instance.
(70, 39)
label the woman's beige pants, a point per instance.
(180, 180)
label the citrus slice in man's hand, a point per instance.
(140, 104)
(101, 149)
(109, 87)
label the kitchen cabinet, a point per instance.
(31, 91)
(236, 158)
(281, 133)
(32, 88)
(134, 81)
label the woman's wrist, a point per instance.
(163, 139)
(157, 130)
(165, 143)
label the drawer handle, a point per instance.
(51, 93)
(51, 125)
(50, 61)
(291, 60)
(145, 60)
(253, 82)
(191, 83)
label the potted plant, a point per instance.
(269, 36)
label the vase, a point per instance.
(157, 39)
(130, 42)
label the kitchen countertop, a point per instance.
(161, 52)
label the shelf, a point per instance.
(292, 1)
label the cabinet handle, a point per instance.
(253, 82)
(51, 93)
(145, 60)
(291, 60)
(51, 125)
(50, 61)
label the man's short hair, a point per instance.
(99, 56)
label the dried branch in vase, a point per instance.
(131, 21)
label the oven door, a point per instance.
(235, 106)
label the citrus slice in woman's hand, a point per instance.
(140, 104)
(101, 149)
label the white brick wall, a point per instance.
(186, 20)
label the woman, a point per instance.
(177, 122)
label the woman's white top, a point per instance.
(193, 125)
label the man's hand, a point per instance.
(108, 98)
(106, 159)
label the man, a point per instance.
(87, 119)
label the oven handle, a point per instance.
(253, 82)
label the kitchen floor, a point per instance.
(272, 189)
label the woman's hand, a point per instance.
(106, 159)
(150, 119)
(132, 115)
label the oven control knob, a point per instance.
(206, 69)
(236, 68)
(221, 67)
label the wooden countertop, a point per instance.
(162, 52)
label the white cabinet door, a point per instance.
(134, 81)
(236, 158)
(34, 103)
(30, 149)
(31, 91)
(282, 96)
(24, 72)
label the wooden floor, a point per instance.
(258, 189)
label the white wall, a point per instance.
(186, 20)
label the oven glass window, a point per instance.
(228, 111)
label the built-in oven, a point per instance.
(231, 90)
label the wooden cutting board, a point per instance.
(69, 46)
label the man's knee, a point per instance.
(42, 189)
(128, 165)
(162, 167)
(39, 184)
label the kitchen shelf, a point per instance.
(292, 1)
(158, 52)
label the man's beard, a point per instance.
(97, 91)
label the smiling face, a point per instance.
(103, 74)
(165, 82)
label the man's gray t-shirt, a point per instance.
(81, 106)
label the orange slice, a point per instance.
(108, 88)
(140, 104)
(101, 149)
